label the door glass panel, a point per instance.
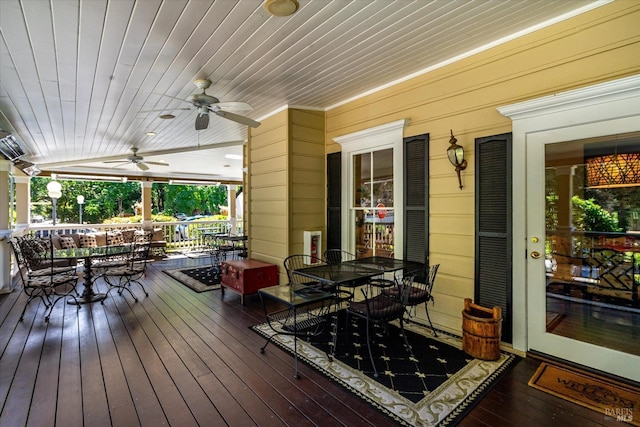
(592, 244)
(373, 203)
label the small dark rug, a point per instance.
(617, 401)
(200, 279)
(436, 387)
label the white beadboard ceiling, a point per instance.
(76, 76)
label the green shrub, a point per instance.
(589, 216)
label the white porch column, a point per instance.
(5, 232)
(146, 205)
(233, 221)
(23, 197)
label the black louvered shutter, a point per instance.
(416, 197)
(334, 200)
(493, 284)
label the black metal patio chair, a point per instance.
(382, 309)
(50, 284)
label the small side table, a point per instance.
(302, 314)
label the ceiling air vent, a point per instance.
(9, 146)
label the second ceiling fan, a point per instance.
(206, 104)
(136, 160)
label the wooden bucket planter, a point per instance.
(481, 330)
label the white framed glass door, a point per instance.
(583, 264)
(564, 263)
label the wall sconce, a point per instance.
(456, 157)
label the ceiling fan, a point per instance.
(136, 160)
(206, 104)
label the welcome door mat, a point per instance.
(617, 401)
(435, 388)
(200, 279)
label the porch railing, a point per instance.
(181, 236)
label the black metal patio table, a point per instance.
(358, 271)
(302, 315)
(87, 255)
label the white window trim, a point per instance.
(389, 135)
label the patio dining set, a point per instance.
(50, 270)
(318, 288)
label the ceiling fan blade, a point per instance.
(169, 96)
(233, 106)
(202, 121)
(166, 109)
(142, 166)
(158, 163)
(117, 161)
(237, 118)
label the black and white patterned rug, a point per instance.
(436, 387)
(200, 279)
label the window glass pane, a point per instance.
(383, 178)
(362, 180)
(364, 235)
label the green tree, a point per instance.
(589, 216)
(104, 200)
(192, 199)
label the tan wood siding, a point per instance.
(287, 183)
(267, 196)
(597, 46)
(307, 166)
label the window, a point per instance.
(372, 205)
(372, 196)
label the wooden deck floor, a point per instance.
(180, 358)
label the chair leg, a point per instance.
(24, 310)
(79, 306)
(33, 295)
(426, 309)
(139, 284)
(375, 371)
(127, 288)
(406, 340)
(120, 288)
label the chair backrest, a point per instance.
(294, 262)
(422, 292)
(431, 278)
(34, 252)
(336, 256)
(140, 249)
(388, 306)
(19, 257)
(405, 288)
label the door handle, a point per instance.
(535, 254)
